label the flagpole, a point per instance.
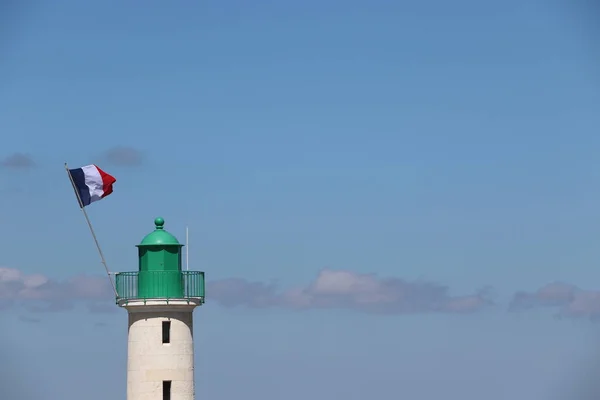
(87, 219)
(187, 249)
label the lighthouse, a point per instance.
(160, 299)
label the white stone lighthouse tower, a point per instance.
(160, 299)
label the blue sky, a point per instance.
(386, 144)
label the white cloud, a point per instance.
(123, 156)
(17, 161)
(40, 293)
(342, 289)
(348, 289)
(570, 300)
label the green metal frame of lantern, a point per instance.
(160, 285)
(160, 275)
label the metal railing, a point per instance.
(159, 285)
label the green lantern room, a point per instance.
(160, 274)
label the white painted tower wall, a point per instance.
(149, 360)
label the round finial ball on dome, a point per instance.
(159, 222)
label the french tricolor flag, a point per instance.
(91, 184)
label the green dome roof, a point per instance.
(159, 237)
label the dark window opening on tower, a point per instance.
(166, 390)
(166, 332)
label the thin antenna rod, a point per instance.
(91, 230)
(187, 249)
